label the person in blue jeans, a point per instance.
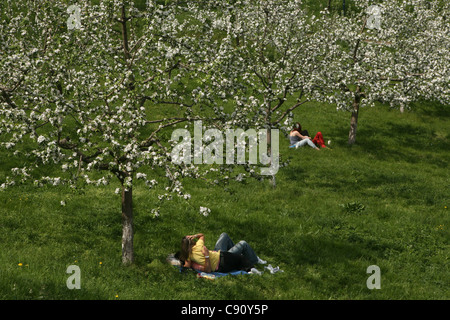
(225, 244)
(226, 256)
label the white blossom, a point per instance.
(205, 211)
(41, 139)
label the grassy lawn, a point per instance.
(383, 201)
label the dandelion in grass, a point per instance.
(20, 264)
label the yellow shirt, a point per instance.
(198, 257)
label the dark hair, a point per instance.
(297, 127)
(186, 247)
(178, 257)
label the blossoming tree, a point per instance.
(395, 52)
(275, 51)
(272, 52)
(93, 89)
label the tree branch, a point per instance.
(298, 104)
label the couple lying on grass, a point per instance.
(225, 257)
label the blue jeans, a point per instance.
(301, 143)
(225, 244)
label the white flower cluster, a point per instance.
(204, 211)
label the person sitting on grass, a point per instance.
(299, 138)
(225, 257)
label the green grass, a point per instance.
(383, 201)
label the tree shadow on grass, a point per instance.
(411, 143)
(283, 242)
(431, 109)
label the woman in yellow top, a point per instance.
(225, 257)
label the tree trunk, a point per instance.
(354, 119)
(269, 149)
(126, 50)
(127, 226)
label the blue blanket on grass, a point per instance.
(214, 275)
(200, 274)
